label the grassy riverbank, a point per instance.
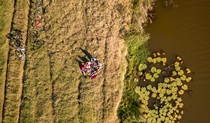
(129, 110)
(137, 42)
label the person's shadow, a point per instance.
(86, 53)
(83, 59)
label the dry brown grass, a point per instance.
(5, 21)
(53, 88)
(14, 72)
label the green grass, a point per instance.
(137, 43)
(129, 111)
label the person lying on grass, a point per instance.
(91, 68)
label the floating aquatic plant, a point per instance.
(153, 69)
(142, 67)
(159, 59)
(188, 79)
(148, 76)
(152, 79)
(165, 85)
(184, 87)
(166, 80)
(174, 73)
(155, 75)
(188, 70)
(179, 58)
(159, 71)
(149, 59)
(149, 87)
(181, 72)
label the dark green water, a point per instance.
(185, 31)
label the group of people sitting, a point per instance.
(91, 68)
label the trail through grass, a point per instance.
(37, 88)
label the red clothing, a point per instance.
(94, 76)
(82, 67)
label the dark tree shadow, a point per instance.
(86, 53)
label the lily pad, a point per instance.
(142, 67)
(154, 95)
(179, 58)
(188, 79)
(154, 60)
(177, 68)
(158, 71)
(166, 80)
(149, 59)
(155, 75)
(158, 53)
(164, 59)
(140, 73)
(176, 64)
(148, 76)
(137, 90)
(184, 87)
(154, 54)
(149, 87)
(188, 70)
(183, 77)
(180, 72)
(181, 92)
(153, 69)
(174, 73)
(159, 59)
(152, 79)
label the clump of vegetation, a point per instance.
(160, 89)
(137, 41)
(129, 110)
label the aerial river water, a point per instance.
(185, 31)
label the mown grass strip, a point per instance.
(13, 86)
(37, 89)
(5, 25)
(27, 113)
